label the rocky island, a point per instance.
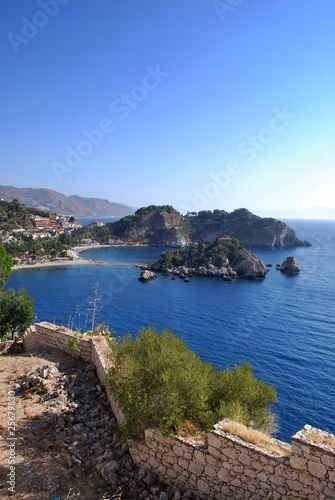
(165, 226)
(224, 258)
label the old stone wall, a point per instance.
(227, 467)
(59, 337)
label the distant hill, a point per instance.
(47, 199)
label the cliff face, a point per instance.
(161, 226)
(248, 228)
(164, 226)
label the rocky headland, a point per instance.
(165, 226)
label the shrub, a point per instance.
(74, 343)
(16, 313)
(160, 383)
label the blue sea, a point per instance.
(284, 326)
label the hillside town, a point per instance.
(43, 227)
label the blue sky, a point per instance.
(195, 103)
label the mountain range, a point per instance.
(52, 201)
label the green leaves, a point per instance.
(16, 312)
(160, 383)
(6, 263)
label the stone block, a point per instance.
(196, 469)
(250, 473)
(183, 463)
(199, 457)
(277, 480)
(211, 460)
(328, 461)
(236, 482)
(214, 451)
(317, 469)
(224, 475)
(294, 485)
(306, 479)
(245, 458)
(214, 441)
(299, 463)
(203, 487)
(177, 450)
(230, 453)
(210, 471)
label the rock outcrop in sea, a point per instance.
(147, 275)
(290, 266)
(222, 259)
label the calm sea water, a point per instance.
(284, 326)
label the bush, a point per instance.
(16, 313)
(160, 383)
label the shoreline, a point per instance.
(56, 263)
(74, 258)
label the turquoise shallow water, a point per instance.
(284, 326)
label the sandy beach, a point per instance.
(73, 260)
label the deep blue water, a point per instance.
(284, 326)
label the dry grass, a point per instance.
(190, 431)
(321, 439)
(255, 437)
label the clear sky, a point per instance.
(196, 103)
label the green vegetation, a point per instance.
(16, 313)
(210, 252)
(123, 227)
(74, 342)
(160, 383)
(96, 234)
(16, 309)
(6, 263)
(14, 215)
(30, 248)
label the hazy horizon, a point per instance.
(200, 105)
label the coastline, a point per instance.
(56, 263)
(73, 260)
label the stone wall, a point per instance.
(59, 337)
(227, 467)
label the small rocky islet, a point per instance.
(223, 258)
(226, 259)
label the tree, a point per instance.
(6, 263)
(16, 313)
